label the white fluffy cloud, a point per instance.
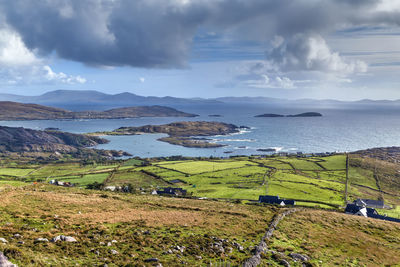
(13, 51)
(310, 52)
(52, 76)
(19, 65)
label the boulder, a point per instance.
(4, 262)
(3, 240)
(63, 238)
(299, 257)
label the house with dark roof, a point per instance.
(370, 203)
(275, 200)
(354, 209)
(172, 191)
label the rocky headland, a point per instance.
(182, 133)
(18, 139)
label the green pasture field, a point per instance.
(15, 171)
(136, 179)
(195, 167)
(86, 179)
(319, 179)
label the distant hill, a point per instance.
(19, 111)
(78, 100)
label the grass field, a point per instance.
(318, 179)
(126, 229)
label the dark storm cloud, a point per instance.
(159, 33)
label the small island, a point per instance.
(182, 133)
(305, 114)
(270, 115)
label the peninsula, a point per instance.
(23, 140)
(305, 114)
(19, 111)
(182, 133)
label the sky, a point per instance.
(336, 49)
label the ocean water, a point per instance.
(336, 130)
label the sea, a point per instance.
(338, 130)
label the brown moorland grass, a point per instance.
(146, 226)
(338, 239)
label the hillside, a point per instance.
(20, 139)
(138, 228)
(20, 111)
(142, 230)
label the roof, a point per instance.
(370, 202)
(354, 208)
(269, 199)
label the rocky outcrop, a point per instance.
(4, 262)
(27, 140)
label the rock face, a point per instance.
(4, 262)
(20, 111)
(28, 140)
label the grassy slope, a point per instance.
(312, 179)
(92, 217)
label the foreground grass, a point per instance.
(147, 226)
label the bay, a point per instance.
(336, 130)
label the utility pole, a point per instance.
(347, 178)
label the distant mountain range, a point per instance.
(93, 100)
